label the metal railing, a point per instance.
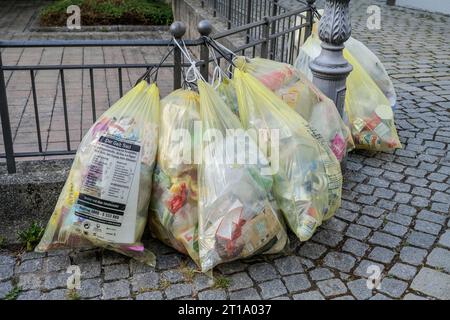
(270, 39)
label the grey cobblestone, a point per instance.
(217, 294)
(240, 281)
(384, 239)
(381, 254)
(421, 239)
(246, 294)
(297, 282)
(427, 227)
(29, 266)
(341, 261)
(116, 272)
(311, 295)
(178, 290)
(6, 271)
(403, 271)
(116, 289)
(321, 274)
(445, 239)
(272, 289)
(356, 247)
(312, 250)
(289, 265)
(5, 288)
(91, 288)
(262, 272)
(145, 281)
(393, 287)
(412, 255)
(358, 232)
(152, 295)
(432, 283)
(439, 258)
(359, 289)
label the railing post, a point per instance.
(215, 9)
(177, 29)
(309, 19)
(204, 28)
(273, 42)
(6, 125)
(330, 69)
(266, 36)
(249, 19)
(229, 13)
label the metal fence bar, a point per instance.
(91, 81)
(66, 119)
(6, 124)
(36, 112)
(120, 82)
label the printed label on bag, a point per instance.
(107, 202)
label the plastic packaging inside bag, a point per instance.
(105, 199)
(174, 205)
(307, 175)
(300, 94)
(369, 113)
(236, 218)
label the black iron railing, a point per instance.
(277, 37)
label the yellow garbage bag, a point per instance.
(369, 112)
(105, 199)
(236, 218)
(174, 206)
(300, 94)
(307, 175)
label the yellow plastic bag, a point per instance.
(301, 95)
(369, 112)
(105, 199)
(236, 218)
(308, 179)
(174, 205)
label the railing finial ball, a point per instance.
(204, 27)
(178, 29)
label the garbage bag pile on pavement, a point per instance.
(174, 166)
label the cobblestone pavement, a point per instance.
(394, 214)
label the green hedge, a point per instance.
(109, 12)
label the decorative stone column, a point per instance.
(330, 69)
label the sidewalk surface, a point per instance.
(395, 209)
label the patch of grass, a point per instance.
(13, 294)
(73, 295)
(188, 272)
(109, 12)
(221, 282)
(30, 237)
(164, 284)
(2, 241)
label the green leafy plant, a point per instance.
(30, 237)
(109, 12)
(221, 282)
(164, 284)
(73, 295)
(13, 294)
(2, 242)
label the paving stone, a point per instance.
(393, 287)
(346, 215)
(403, 271)
(116, 289)
(335, 225)
(90, 288)
(432, 283)
(412, 255)
(217, 294)
(311, 295)
(420, 239)
(359, 289)
(297, 282)
(440, 207)
(406, 210)
(6, 271)
(411, 296)
(363, 268)
(427, 227)
(444, 240)
(173, 276)
(344, 298)
(439, 258)
(85, 257)
(29, 281)
(262, 272)
(332, 287)
(58, 294)
(145, 281)
(56, 263)
(29, 266)
(328, 237)
(55, 280)
(373, 211)
(202, 281)
(382, 255)
(232, 267)
(5, 288)
(271, 289)
(30, 255)
(384, 239)
(246, 294)
(6, 259)
(321, 274)
(395, 229)
(358, 232)
(165, 262)
(30, 295)
(356, 247)
(289, 265)
(341, 261)
(152, 295)
(178, 290)
(90, 269)
(312, 250)
(399, 218)
(116, 272)
(240, 281)
(139, 267)
(380, 296)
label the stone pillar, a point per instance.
(330, 69)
